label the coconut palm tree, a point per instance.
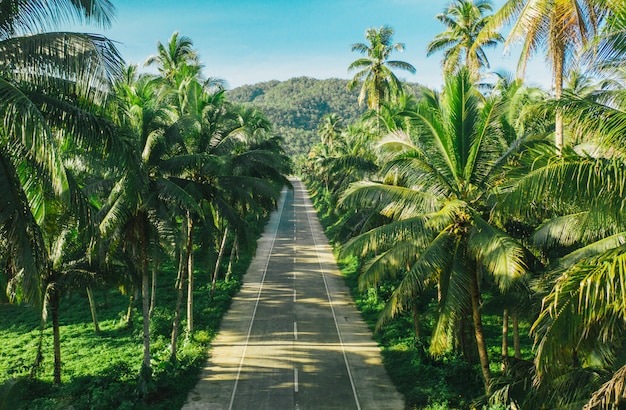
(172, 57)
(51, 83)
(224, 161)
(137, 209)
(379, 83)
(562, 27)
(579, 332)
(436, 196)
(464, 21)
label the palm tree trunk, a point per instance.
(54, 310)
(559, 68)
(146, 371)
(155, 267)
(229, 271)
(416, 321)
(39, 356)
(180, 281)
(516, 341)
(479, 333)
(505, 337)
(92, 307)
(189, 254)
(220, 255)
(131, 304)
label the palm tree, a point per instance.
(138, 207)
(174, 57)
(563, 27)
(50, 86)
(610, 44)
(329, 128)
(464, 21)
(436, 197)
(217, 140)
(379, 83)
(579, 331)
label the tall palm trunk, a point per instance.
(416, 321)
(220, 255)
(559, 68)
(146, 369)
(189, 254)
(155, 267)
(92, 308)
(516, 341)
(479, 333)
(232, 258)
(56, 334)
(180, 282)
(505, 337)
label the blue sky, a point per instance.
(248, 41)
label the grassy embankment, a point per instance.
(100, 370)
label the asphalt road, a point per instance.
(293, 338)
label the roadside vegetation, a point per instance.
(131, 204)
(480, 226)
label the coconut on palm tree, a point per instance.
(435, 194)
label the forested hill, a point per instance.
(296, 106)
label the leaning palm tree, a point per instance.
(50, 84)
(379, 83)
(436, 198)
(564, 27)
(464, 21)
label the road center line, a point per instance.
(295, 380)
(295, 330)
(256, 303)
(330, 301)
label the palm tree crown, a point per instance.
(379, 82)
(563, 27)
(464, 21)
(436, 196)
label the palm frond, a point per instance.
(393, 201)
(611, 394)
(32, 16)
(502, 255)
(383, 237)
(435, 260)
(390, 263)
(17, 224)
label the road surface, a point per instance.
(293, 338)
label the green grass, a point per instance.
(100, 371)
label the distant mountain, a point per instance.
(296, 106)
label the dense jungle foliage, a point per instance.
(480, 225)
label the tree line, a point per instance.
(107, 173)
(490, 189)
